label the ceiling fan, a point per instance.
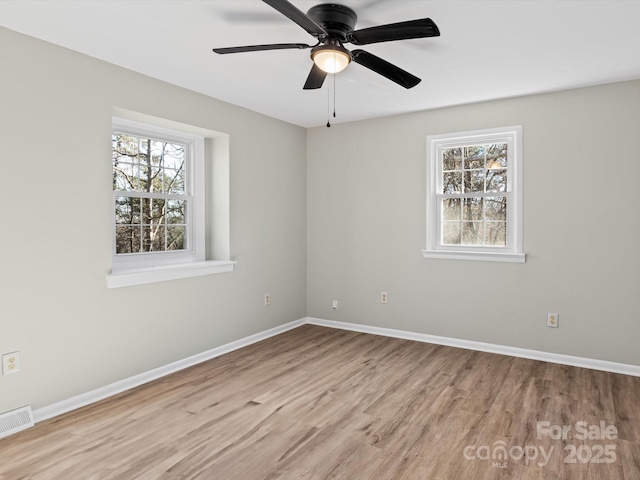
(333, 25)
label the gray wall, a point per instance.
(366, 227)
(346, 224)
(74, 335)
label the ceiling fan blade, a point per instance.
(258, 48)
(424, 27)
(290, 11)
(315, 79)
(384, 68)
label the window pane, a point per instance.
(474, 157)
(145, 179)
(157, 152)
(495, 208)
(472, 208)
(175, 211)
(451, 209)
(150, 179)
(452, 182)
(127, 210)
(496, 233)
(152, 238)
(127, 239)
(496, 180)
(474, 181)
(451, 233)
(176, 237)
(118, 158)
(452, 159)
(147, 213)
(157, 175)
(497, 155)
(143, 150)
(157, 210)
(152, 211)
(472, 233)
(124, 177)
(124, 146)
(123, 210)
(174, 181)
(174, 156)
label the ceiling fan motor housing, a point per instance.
(337, 20)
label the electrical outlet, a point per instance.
(383, 297)
(10, 363)
(334, 305)
(552, 320)
(267, 299)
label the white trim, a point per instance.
(582, 362)
(480, 256)
(107, 391)
(128, 383)
(163, 273)
(150, 130)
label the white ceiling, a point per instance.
(487, 49)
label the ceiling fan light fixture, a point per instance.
(331, 58)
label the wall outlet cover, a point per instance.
(10, 363)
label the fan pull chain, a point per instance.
(329, 101)
(334, 95)
(328, 106)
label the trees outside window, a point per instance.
(151, 202)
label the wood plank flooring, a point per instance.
(317, 403)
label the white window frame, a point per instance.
(514, 249)
(149, 267)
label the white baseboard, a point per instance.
(128, 383)
(591, 363)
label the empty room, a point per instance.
(288, 239)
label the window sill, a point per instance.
(477, 256)
(140, 276)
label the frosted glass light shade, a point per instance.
(330, 59)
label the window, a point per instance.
(157, 201)
(151, 202)
(159, 205)
(474, 195)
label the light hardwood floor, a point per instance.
(317, 403)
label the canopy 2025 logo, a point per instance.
(499, 453)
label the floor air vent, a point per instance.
(15, 421)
